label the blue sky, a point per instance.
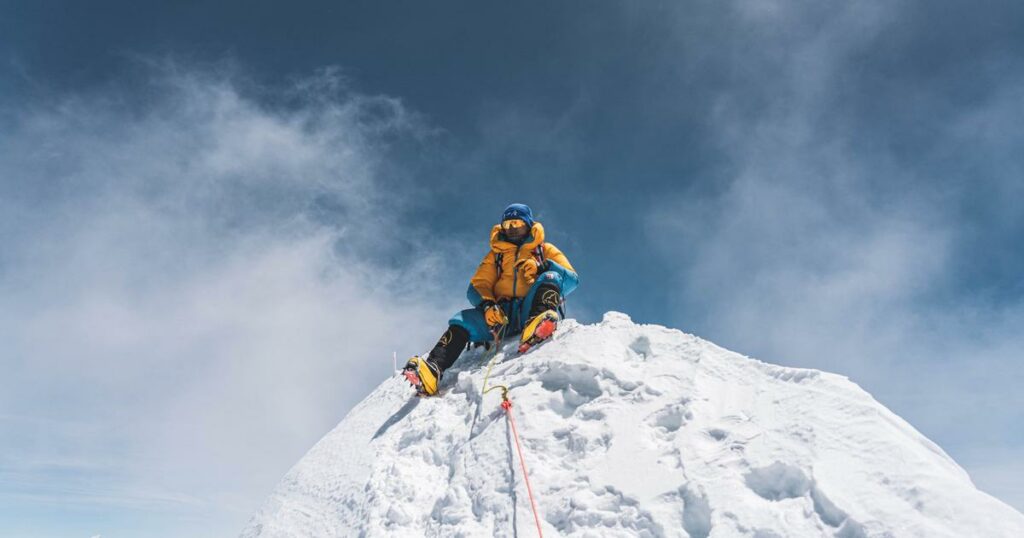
(217, 222)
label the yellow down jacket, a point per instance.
(494, 285)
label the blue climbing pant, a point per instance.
(517, 310)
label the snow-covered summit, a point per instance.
(630, 430)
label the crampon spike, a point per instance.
(543, 331)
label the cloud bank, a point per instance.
(845, 232)
(199, 277)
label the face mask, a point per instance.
(515, 229)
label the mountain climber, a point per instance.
(518, 288)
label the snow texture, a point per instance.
(630, 430)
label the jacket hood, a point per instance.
(499, 245)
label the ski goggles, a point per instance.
(513, 225)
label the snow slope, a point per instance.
(631, 430)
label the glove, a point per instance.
(494, 316)
(528, 267)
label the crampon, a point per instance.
(538, 330)
(413, 379)
(422, 375)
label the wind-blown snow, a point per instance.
(631, 430)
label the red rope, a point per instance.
(507, 406)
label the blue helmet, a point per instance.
(518, 211)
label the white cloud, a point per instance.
(194, 289)
(825, 250)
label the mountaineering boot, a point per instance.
(547, 297)
(425, 373)
(543, 317)
(422, 374)
(540, 328)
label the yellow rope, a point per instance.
(490, 364)
(505, 389)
